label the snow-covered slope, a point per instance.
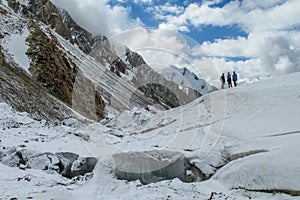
(238, 143)
(243, 141)
(187, 79)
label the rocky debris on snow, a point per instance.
(14, 5)
(70, 121)
(3, 12)
(220, 195)
(67, 164)
(84, 136)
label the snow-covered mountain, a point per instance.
(57, 81)
(56, 52)
(186, 79)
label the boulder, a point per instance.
(72, 165)
(44, 161)
(82, 166)
(66, 160)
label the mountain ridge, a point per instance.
(55, 66)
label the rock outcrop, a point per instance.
(46, 12)
(60, 21)
(86, 98)
(25, 95)
(50, 66)
(153, 85)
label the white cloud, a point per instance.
(175, 27)
(254, 4)
(280, 17)
(272, 44)
(266, 15)
(162, 12)
(277, 52)
(98, 17)
(159, 47)
(211, 2)
(143, 1)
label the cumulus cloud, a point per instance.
(164, 11)
(98, 16)
(268, 47)
(159, 47)
(272, 44)
(250, 15)
(143, 1)
(280, 17)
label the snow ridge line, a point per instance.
(283, 134)
(236, 156)
(245, 154)
(159, 126)
(272, 191)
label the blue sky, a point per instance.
(252, 37)
(144, 11)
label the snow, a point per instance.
(186, 79)
(256, 149)
(14, 43)
(19, 128)
(245, 140)
(16, 46)
(23, 2)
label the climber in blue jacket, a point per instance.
(234, 78)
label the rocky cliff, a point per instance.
(164, 92)
(50, 66)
